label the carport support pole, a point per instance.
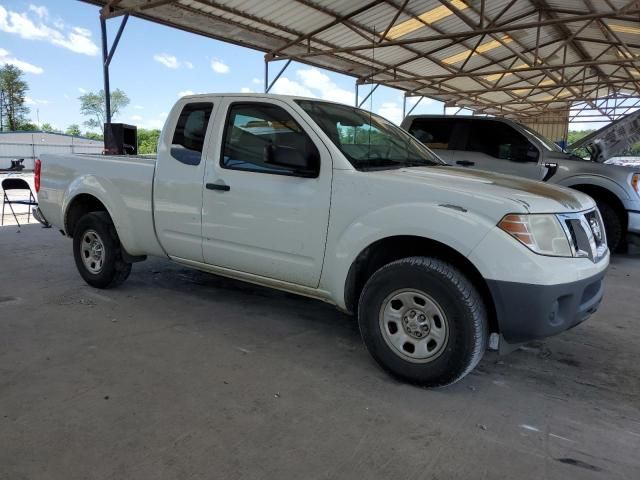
(359, 105)
(268, 86)
(414, 106)
(266, 75)
(105, 71)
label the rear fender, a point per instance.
(106, 192)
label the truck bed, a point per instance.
(124, 183)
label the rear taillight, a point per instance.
(36, 171)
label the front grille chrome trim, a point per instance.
(586, 234)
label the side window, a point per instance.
(188, 137)
(501, 141)
(264, 138)
(435, 133)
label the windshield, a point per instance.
(546, 143)
(367, 140)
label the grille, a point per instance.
(586, 231)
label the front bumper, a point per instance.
(527, 312)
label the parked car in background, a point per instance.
(338, 204)
(504, 146)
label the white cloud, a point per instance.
(169, 61)
(35, 101)
(185, 92)
(77, 40)
(284, 86)
(82, 90)
(314, 79)
(154, 124)
(391, 111)
(150, 124)
(41, 11)
(246, 90)
(7, 59)
(138, 107)
(257, 81)
(219, 67)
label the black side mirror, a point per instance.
(291, 158)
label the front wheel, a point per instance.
(423, 321)
(98, 253)
(613, 225)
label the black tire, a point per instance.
(612, 225)
(114, 269)
(457, 298)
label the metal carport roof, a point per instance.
(516, 58)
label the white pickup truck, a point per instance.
(336, 203)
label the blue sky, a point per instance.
(57, 44)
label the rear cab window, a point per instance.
(188, 137)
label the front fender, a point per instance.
(107, 193)
(598, 181)
(457, 228)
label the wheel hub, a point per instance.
(92, 251)
(414, 325)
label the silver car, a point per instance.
(504, 146)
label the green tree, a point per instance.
(93, 136)
(148, 140)
(47, 127)
(73, 129)
(27, 127)
(93, 105)
(13, 89)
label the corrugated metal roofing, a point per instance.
(505, 57)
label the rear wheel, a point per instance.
(423, 321)
(98, 253)
(612, 225)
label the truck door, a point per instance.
(259, 217)
(498, 147)
(177, 189)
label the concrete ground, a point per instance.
(180, 374)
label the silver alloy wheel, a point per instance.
(414, 325)
(92, 251)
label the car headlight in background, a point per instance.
(541, 233)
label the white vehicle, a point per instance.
(336, 203)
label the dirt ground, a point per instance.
(180, 374)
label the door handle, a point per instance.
(465, 163)
(218, 186)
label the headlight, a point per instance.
(541, 233)
(635, 182)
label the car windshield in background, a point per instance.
(367, 140)
(546, 143)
